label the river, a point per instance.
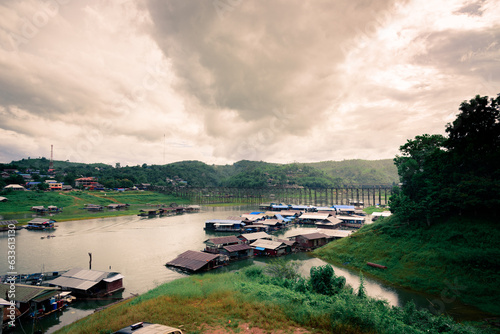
(139, 247)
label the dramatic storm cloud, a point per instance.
(219, 81)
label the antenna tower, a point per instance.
(51, 163)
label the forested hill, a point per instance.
(242, 174)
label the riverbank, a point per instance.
(18, 206)
(251, 301)
(454, 260)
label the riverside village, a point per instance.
(228, 239)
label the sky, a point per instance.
(219, 81)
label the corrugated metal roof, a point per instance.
(286, 242)
(72, 283)
(223, 240)
(267, 244)
(113, 278)
(312, 215)
(224, 221)
(300, 207)
(256, 235)
(25, 293)
(45, 296)
(8, 222)
(237, 248)
(313, 236)
(271, 222)
(335, 233)
(86, 274)
(288, 213)
(253, 217)
(333, 220)
(192, 260)
(325, 208)
(83, 279)
(351, 218)
(40, 220)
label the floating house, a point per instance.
(352, 221)
(273, 224)
(237, 252)
(93, 207)
(224, 225)
(89, 283)
(37, 301)
(248, 238)
(38, 209)
(311, 240)
(6, 225)
(279, 207)
(194, 261)
(253, 216)
(148, 213)
(40, 224)
(193, 208)
(345, 209)
(263, 247)
(335, 234)
(117, 206)
(304, 208)
(215, 245)
(312, 217)
(291, 214)
(329, 223)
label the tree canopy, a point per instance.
(459, 174)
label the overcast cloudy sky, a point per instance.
(224, 80)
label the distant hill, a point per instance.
(241, 174)
(358, 171)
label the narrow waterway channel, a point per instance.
(139, 247)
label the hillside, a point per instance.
(242, 174)
(457, 259)
(360, 171)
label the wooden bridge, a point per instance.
(363, 195)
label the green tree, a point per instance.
(459, 174)
(283, 269)
(361, 289)
(420, 167)
(474, 151)
(324, 281)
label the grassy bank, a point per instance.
(20, 202)
(251, 300)
(457, 259)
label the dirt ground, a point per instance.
(245, 328)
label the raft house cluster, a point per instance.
(253, 240)
(161, 210)
(38, 295)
